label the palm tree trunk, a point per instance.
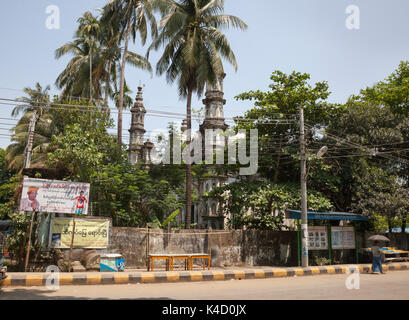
(189, 166)
(121, 90)
(107, 86)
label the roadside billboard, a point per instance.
(89, 233)
(55, 196)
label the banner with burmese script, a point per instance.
(41, 195)
(89, 233)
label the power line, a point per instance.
(150, 112)
(11, 89)
(358, 146)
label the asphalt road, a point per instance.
(393, 285)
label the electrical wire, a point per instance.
(358, 146)
(150, 112)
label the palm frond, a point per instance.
(138, 61)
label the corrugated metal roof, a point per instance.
(329, 215)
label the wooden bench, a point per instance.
(203, 256)
(169, 258)
(153, 257)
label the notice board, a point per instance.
(317, 238)
(343, 237)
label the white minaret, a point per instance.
(137, 130)
(214, 102)
(208, 210)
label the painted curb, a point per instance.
(40, 279)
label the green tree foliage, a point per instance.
(262, 205)
(380, 192)
(366, 168)
(5, 174)
(17, 240)
(96, 52)
(392, 92)
(192, 57)
(376, 131)
(132, 197)
(278, 141)
(361, 131)
(289, 93)
(8, 186)
(78, 151)
(38, 100)
(132, 17)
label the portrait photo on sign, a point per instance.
(55, 196)
(29, 200)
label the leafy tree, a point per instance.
(5, 174)
(279, 138)
(372, 134)
(66, 112)
(392, 92)
(380, 192)
(362, 131)
(8, 186)
(77, 150)
(192, 57)
(128, 194)
(262, 205)
(17, 240)
(132, 197)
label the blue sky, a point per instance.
(302, 35)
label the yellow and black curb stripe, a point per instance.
(40, 279)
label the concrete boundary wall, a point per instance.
(234, 248)
(230, 248)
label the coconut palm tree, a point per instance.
(89, 29)
(36, 103)
(111, 51)
(110, 39)
(42, 138)
(133, 17)
(75, 79)
(128, 101)
(37, 99)
(192, 57)
(86, 70)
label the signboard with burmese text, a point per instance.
(55, 196)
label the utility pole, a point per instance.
(27, 160)
(304, 210)
(30, 140)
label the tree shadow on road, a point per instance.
(38, 294)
